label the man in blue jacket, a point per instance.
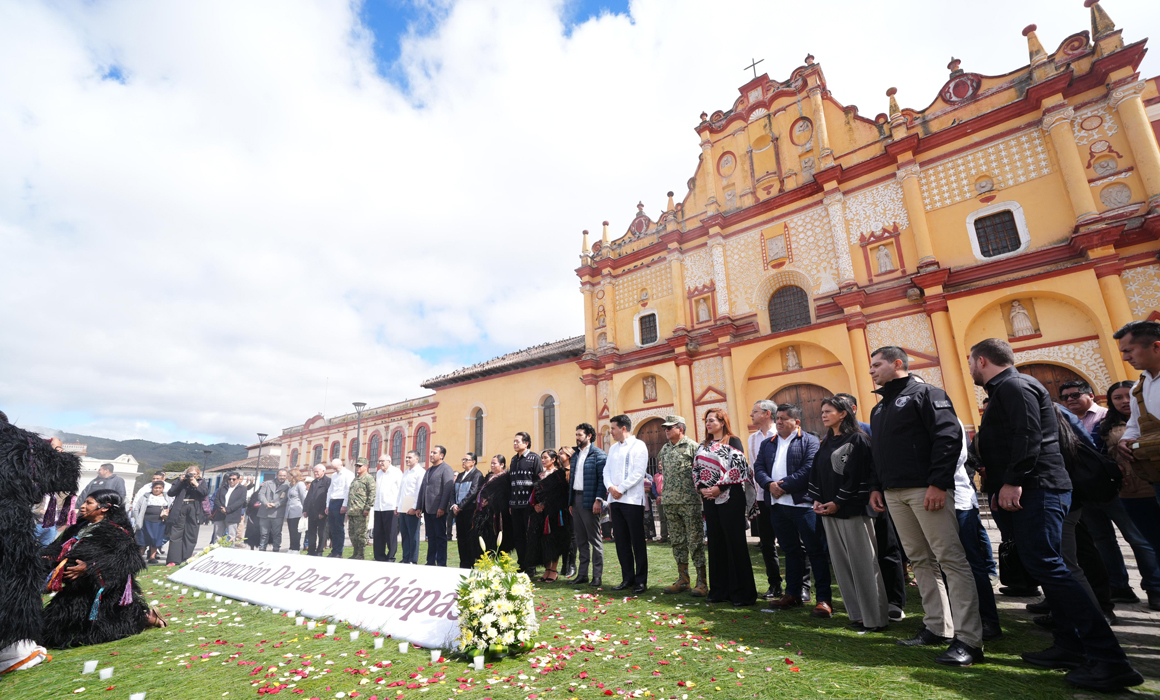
(783, 470)
(588, 496)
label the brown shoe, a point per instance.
(822, 609)
(785, 602)
(702, 588)
(682, 583)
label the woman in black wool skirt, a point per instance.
(90, 567)
(491, 504)
(550, 524)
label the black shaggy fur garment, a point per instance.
(488, 520)
(29, 469)
(112, 559)
(549, 532)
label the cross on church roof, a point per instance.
(753, 66)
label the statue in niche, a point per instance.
(885, 264)
(1021, 320)
(650, 388)
(776, 248)
(601, 340)
(600, 321)
(703, 313)
(791, 359)
(644, 294)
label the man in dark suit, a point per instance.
(588, 496)
(229, 504)
(436, 494)
(314, 510)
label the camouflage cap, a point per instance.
(670, 421)
(361, 461)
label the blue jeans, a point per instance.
(972, 534)
(337, 520)
(1099, 518)
(436, 539)
(409, 528)
(1037, 529)
(800, 535)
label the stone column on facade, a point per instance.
(916, 212)
(685, 397)
(836, 208)
(744, 167)
(1057, 123)
(677, 271)
(589, 318)
(732, 400)
(1116, 301)
(856, 329)
(610, 313)
(948, 355)
(714, 197)
(720, 278)
(591, 410)
(821, 136)
(1141, 139)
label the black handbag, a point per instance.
(1012, 573)
(1094, 477)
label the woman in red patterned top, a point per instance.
(722, 473)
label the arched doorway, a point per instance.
(1052, 376)
(808, 397)
(652, 434)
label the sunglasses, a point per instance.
(1072, 395)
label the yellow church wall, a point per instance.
(511, 403)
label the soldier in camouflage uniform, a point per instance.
(359, 503)
(682, 506)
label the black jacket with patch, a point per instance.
(916, 438)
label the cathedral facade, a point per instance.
(1023, 206)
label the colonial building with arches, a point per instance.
(391, 429)
(1023, 206)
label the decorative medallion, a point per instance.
(1105, 166)
(1091, 122)
(961, 88)
(1116, 195)
(754, 94)
(639, 224)
(1075, 45)
(801, 131)
(726, 164)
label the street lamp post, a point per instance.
(258, 464)
(205, 461)
(358, 407)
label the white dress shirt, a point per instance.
(755, 440)
(578, 469)
(339, 487)
(781, 471)
(148, 488)
(625, 470)
(409, 488)
(387, 485)
(1151, 402)
(965, 496)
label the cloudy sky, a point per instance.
(217, 218)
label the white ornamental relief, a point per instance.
(744, 267)
(836, 211)
(722, 281)
(639, 417)
(698, 419)
(911, 332)
(1142, 285)
(1083, 357)
(874, 209)
(1093, 124)
(656, 280)
(813, 248)
(698, 267)
(931, 375)
(709, 372)
(602, 388)
(1012, 161)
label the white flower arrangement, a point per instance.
(497, 612)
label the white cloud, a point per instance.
(256, 213)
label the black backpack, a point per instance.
(1094, 477)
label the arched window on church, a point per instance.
(373, 452)
(477, 447)
(789, 308)
(421, 444)
(335, 450)
(294, 458)
(549, 410)
(355, 444)
(397, 448)
(317, 455)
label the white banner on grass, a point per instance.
(412, 603)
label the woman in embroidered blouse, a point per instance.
(721, 472)
(91, 568)
(150, 512)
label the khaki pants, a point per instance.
(931, 541)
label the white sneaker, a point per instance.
(896, 613)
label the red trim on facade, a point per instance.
(795, 371)
(1002, 284)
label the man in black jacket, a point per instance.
(916, 441)
(229, 502)
(525, 468)
(1018, 443)
(314, 510)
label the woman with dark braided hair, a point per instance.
(91, 568)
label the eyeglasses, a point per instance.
(1072, 395)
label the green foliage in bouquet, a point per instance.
(497, 610)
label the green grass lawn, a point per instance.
(590, 646)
